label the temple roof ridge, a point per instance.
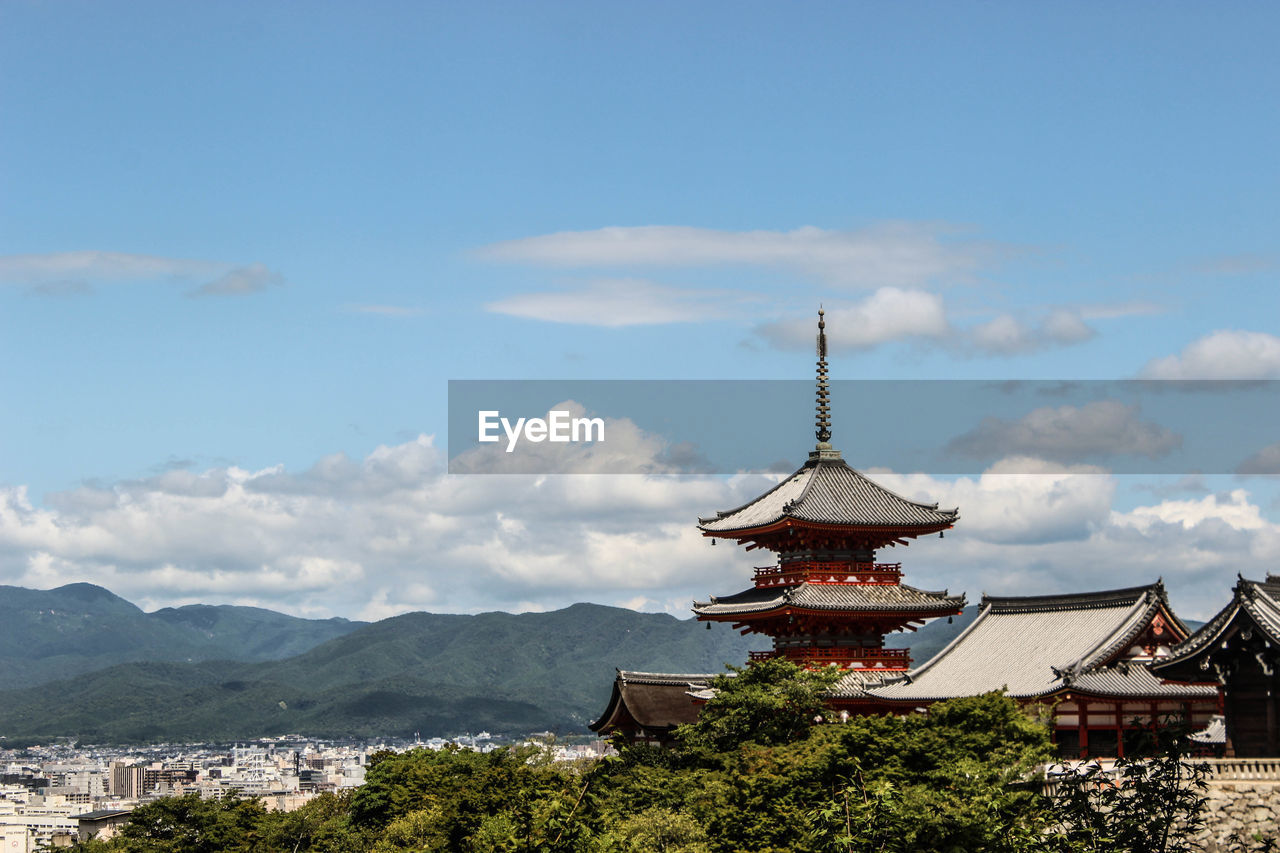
(1127, 596)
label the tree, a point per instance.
(190, 824)
(1153, 801)
(771, 702)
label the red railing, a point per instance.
(850, 657)
(814, 571)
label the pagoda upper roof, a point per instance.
(1254, 603)
(1035, 646)
(870, 598)
(827, 491)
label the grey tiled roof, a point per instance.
(855, 683)
(1214, 733)
(828, 491)
(845, 597)
(657, 701)
(632, 677)
(1259, 601)
(1134, 680)
(1034, 646)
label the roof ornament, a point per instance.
(823, 419)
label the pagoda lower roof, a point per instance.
(827, 491)
(861, 598)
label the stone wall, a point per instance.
(1241, 815)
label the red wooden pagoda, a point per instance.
(828, 601)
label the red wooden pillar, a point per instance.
(1084, 726)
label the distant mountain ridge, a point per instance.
(81, 662)
(418, 672)
(52, 634)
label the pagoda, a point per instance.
(828, 601)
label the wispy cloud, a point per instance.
(895, 254)
(61, 288)
(622, 302)
(386, 310)
(76, 273)
(241, 280)
(1224, 354)
(1265, 462)
(1245, 263)
(99, 266)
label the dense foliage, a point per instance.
(756, 773)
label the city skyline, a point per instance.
(243, 250)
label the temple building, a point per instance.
(1239, 649)
(646, 707)
(827, 601)
(1083, 656)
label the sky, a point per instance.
(245, 246)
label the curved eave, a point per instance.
(1201, 643)
(788, 521)
(948, 608)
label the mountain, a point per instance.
(420, 672)
(85, 663)
(933, 637)
(46, 635)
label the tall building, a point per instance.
(828, 600)
(126, 780)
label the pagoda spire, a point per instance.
(823, 418)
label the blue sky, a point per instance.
(249, 237)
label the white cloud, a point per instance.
(388, 533)
(1224, 354)
(896, 254)
(1007, 335)
(1234, 510)
(614, 303)
(1043, 502)
(1102, 427)
(392, 532)
(888, 314)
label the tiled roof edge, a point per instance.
(1126, 597)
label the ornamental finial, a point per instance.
(823, 419)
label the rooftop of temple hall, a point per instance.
(1037, 645)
